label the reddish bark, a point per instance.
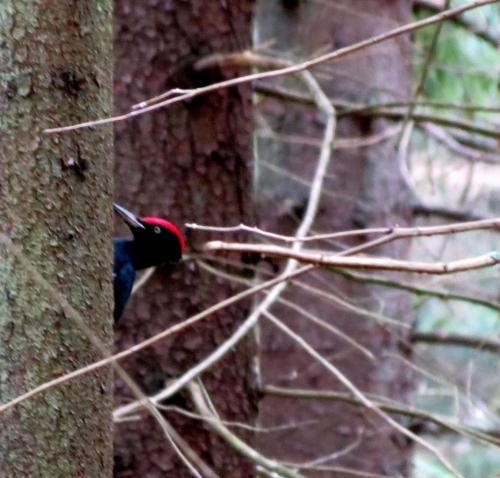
(189, 163)
(364, 188)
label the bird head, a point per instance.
(156, 240)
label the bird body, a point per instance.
(155, 241)
(123, 274)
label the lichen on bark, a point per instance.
(54, 221)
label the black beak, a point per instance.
(128, 217)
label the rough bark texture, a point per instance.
(55, 195)
(191, 162)
(364, 188)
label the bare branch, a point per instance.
(452, 144)
(244, 328)
(241, 332)
(148, 342)
(448, 212)
(416, 288)
(303, 312)
(387, 264)
(344, 107)
(388, 406)
(289, 271)
(482, 32)
(234, 441)
(391, 113)
(143, 280)
(396, 231)
(488, 344)
(347, 305)
(300, 67)
(181, 448)
(407, 119)
(365, 401)
(232, 424)
(413, 288)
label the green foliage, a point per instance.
(465, 68)
(439, 316)
(471, 460)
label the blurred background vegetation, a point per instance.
(463, 382)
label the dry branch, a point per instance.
(148, 342)
(488, 344)
(176, 96)
(448, 212)
(416, 288)
(204, 409)
(290, 270)
(249, 323)
(348, 107)
(493, 38)
(363, 399)
(396, 231)
(375, 263)
(388, 406)
(472, 154)
(391, 113)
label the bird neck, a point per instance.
(142, 257)
(130, 251)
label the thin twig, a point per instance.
(417, 289)
(391, 113)
(376, 263)
(488, 344)
(300, 67)
(388, 406)
(370, 405)
(143, 280)
(493, 38)
(456, 123)
(452, 144)
(347, 471)
(344, 107)
(180, 447)
(347, 305)
(96, 342)
(290, 270)
(238, 335)
(312, 464)
(292, 305)
(150, 341)
(414, 288)
(449, 212)
(398, 232)
(340, 143)
(233, 424)
(233, 440)
(425, 69)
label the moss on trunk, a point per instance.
(55, 195)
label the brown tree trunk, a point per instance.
(55, 237)
(364, 188)
(190, 163)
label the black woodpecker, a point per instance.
(155, 241)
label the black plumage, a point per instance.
(155, 241)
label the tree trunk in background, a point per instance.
(55, 224)
(190, 163)
(364, 188)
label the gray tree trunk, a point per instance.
(364, 188)
(55, 239)
(189, 163)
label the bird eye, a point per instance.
(157, 229)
